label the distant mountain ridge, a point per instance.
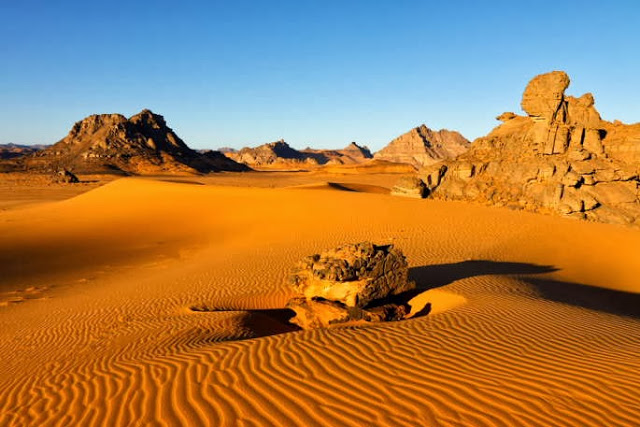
(280, 154)
(12, 151)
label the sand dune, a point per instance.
(146, 302)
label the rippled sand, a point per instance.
(146, 302)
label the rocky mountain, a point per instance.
(141, 144)
(280, 155)
(351, 154)
(422, 146)
(561, 157)
(12, 151)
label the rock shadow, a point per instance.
(610, 301)
(260, 322)
(435, 276)
(430, 277)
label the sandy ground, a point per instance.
(146, 302)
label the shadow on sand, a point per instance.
(591, 297)
(435, 276)
(575, 294)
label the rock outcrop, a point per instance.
(141, 144)
(561, 158)
(422, 146)
(349, 283)
(280, 155)
(410, 186)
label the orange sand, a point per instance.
(534, 320)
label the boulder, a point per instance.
(349, 283)
(544, 94)
(410, 186)
(64, 176)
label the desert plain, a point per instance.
(156, 301)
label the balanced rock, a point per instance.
(544, 94)
(410, 186)
(345, 283)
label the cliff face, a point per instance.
(142, 144)
(561, 157)
(422, 146)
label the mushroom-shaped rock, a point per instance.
(544, 94)
(348, 283)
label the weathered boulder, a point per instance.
(410, 186)
(64, 176)
(544, 94)
(346, 283)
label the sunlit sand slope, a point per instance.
(155, 303)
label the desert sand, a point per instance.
(149, 302)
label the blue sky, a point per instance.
(319, 73)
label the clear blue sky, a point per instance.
(320, 73)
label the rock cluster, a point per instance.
(560, 158)
(422, 146)
(410, 186)
(349, 283)
(141, 144)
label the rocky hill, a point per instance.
(422, 146)
(280, 155)
(561, 157)
(141, 144)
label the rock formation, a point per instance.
(561, 157)
(422, 146)
(142, 144)
(280, 155)
(348, 283)
(410, 186)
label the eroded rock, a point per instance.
(64, 176)
(561, 158)
(348, 284)
(410, 186)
